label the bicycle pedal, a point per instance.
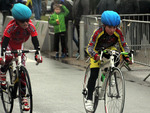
(106, 69)
(84, 92)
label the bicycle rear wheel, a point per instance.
(7, 99)
(27, 90)
(115, 92)
(85, 91)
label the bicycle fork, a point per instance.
(15, 83)
(102, 88)
(113, 83)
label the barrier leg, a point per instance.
(146, 77)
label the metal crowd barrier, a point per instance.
(136, 33)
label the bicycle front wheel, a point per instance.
(25, 90)
(114, 92)
(7, 99)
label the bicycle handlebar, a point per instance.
(19, 52)
(113, 52)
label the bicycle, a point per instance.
(110, 85)
(13, 83)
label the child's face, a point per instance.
(57, 10)
(24, 24)
(110, 29)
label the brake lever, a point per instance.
(132, 52)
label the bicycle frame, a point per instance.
(111, 63)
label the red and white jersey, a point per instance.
(17, 34)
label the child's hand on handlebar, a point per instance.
(127, 59)
(97, 57)
(38, 58)
(2, 61)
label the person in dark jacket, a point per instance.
(80, 7)
(106, 5)
(5, 7)
(37, 6)
(128, 7)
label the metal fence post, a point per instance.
(96, 25)
(51, 34)
(82, 41)
(70, 38)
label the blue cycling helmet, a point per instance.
(110, 18)
(21, 11)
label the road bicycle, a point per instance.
(110, 85)
(13, 90)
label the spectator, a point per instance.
(5, 7)
(80, 7)
(21, 1)
(68, 4)
(55, 2)
(128, 7)
(106, 5)
(29, 4)
(37, 9)
(57, 19)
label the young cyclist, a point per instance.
(15, 34)
(106, 36)
(57, 19)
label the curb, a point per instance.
(71, 61)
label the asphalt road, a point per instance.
(57, 88)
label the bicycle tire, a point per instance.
(7, 99)
(114, 91)
(95, 99)
(28, 91)
(85, 91)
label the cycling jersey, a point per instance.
(101, 39)
(17, 34)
